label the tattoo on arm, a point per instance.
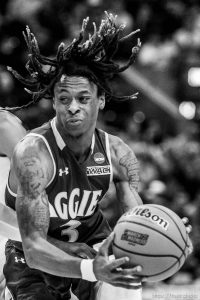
(33, 215)
(132, 167)
(31, 175)
(32, 202)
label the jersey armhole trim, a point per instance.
(50, 152)
(109, 155)
(59, 140)
(10, 191)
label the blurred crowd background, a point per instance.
(163, 125)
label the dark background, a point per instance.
(165, 141)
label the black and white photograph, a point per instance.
(100, 150)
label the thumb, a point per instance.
(104, 249)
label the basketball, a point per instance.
(154, 237)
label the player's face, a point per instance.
(76, 104)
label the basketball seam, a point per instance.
(137, 223)
(178, 261)
(159, 273)
(148, 255)
(152, 205)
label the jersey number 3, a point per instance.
(71, 231)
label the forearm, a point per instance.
(136, 197)
(57, 243)
(125, 174)
(10, 229)
(33, 169)
(42, 255)
(128, 198)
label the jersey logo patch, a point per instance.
(65, 171)
(20, 260)
(98, 170)
(99, 158)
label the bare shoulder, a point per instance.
(123, 159)
(7, 117)
(30, 145)
(4, 120)
(32, 163)
(119, 148)
(11, 132)
(3, 116)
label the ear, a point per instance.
(102, 102)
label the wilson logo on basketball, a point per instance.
(133, 237)
(146, 213)
(99, 158)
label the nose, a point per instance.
(73, 107)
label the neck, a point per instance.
(80, 145)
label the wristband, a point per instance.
(87, 272)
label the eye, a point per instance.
(64, 99)
(84, 99)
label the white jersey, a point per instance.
(110, 292)
(4, 171)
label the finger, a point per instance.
(125, 285)
(114, 264)
(135, 280)
(189, 229)
(86, 252)
(189, 248)
(90, 252)
(144, 279)
(85, 255)
(185, 220)
(93, 251)
(132, 271)
(104, 249)
(189, 251)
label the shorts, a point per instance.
(25, 283)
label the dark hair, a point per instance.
(90, 57)
(73, 68)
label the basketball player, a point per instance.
(11, 131)
(61, 170)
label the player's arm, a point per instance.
(125, 173)
(11, 131)
(33, 168)
(9, 228)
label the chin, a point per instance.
(75, 132)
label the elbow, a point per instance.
(30, 260)
(31, 254)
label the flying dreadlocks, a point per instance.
(92, 56)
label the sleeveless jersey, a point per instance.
(76, 188)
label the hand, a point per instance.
(112, 272)
(189, 230)
(78, 249)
